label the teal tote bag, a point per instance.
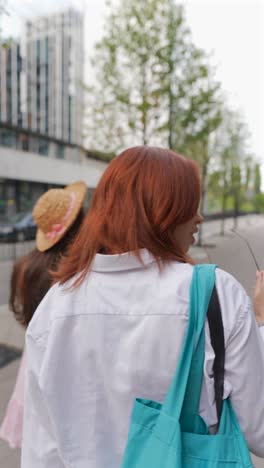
(172, 434)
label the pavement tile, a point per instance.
(9, 458)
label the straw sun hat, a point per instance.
(55, 212)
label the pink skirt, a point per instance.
(12, 425)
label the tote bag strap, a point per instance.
(202, 299)
(193, 391)
(216, 328)
(191, 358)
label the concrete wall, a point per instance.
(21, 165)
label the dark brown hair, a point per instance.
(32, 275)
(143, 195)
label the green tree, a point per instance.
(234, 165)
(152, 83)
(201, 122)
(257, 179)
(259, 202)
(258, 197)
(240, 166)
(126, 73)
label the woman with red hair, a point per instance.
(112, 327)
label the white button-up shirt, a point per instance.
(91, 351)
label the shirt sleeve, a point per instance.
(244, 370)
(39, 447)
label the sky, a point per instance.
(232, 31)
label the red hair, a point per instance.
(143, 195)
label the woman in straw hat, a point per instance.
(111, 329)
(58, 215)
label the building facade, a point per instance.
(24, 176)
(52, 85)
(41, 78)
(10, 83)
(41, 99)
(12, 136)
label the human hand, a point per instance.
(259, 296)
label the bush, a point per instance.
(259, 202)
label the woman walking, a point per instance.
(112, 327)
(58, 215)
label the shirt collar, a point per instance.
(121, 262)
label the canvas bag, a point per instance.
(172, 434)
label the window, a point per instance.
(47, 49)
(43, 147)
(3, 197)
(7, 138)
(38, 49)
(23, 141)
(60, 151)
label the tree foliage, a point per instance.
(236, 175)
(153, 86)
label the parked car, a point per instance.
(18, 228)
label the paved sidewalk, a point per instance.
(9, 458)
(11, 334)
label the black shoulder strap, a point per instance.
(218, 343)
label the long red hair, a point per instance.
(143, 195)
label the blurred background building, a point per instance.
(52, 76)
(41, 111)
(10, 83)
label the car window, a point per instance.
(17, 217)
(24, 218)
(29, 218)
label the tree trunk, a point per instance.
(144, 131)
(236, 209)
(170, 137)
(203, 191)
(224, 200)
(237, 201)
(222, 230)
(144, 110)
(202, 204)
